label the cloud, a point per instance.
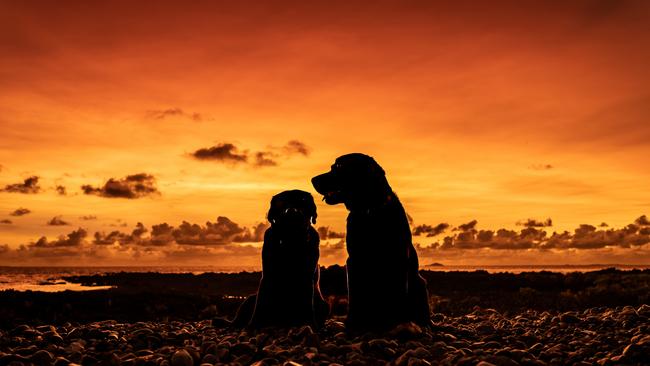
(535, 223)
(20, 212)
(229, 153)
(532, 237)
(173, 112)
(73, 239)
(642, 221)
(131, 187)
(5, 221)
(325, 233)
(265, 158)
(467, 227)
(61, 190)
(135, 237)
(296, 147)
(225, 152)
(57, 221)
(88, 217)
(29, 185)
(429, 230)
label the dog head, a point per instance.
(355, 180)
(294, 207)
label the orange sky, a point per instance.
(497, 111)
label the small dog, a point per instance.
(384, 285)
(289, 292)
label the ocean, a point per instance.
(50, 279)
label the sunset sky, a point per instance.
(161, 112)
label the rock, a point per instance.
(644, 310)
(636, 353)
(484, 328)
(42, 357)
(485, 363)
(210, 358)
(266, 362)
(501, 360)
(61, 361)
(242, 348)
(413, 361)
(406, 331)
(403, 359)
(182, 358)
(291, 363)
(569, 318)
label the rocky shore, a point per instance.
(484, 337)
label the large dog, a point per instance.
(384, 286)
(289, 292)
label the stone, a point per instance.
(42, 357)
(182, 358)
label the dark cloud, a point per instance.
(88, 217)
(642, 221)
(297, 147)
(61, 190)
(174, 112)
(429, 230)
(325, 233)
(265, 158)
(73, 239)
(225, 152)
(467, 227)
(532, 237)
(20, 212)
(29, 185)
(541, 167)
(57, 221)
(229, 153)
(5, 221)
(535, 223)
(603, 224)
(131, 187)
(135, 237)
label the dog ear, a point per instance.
(312, 211)
(273, 210)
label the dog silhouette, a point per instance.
(289, 292)
(384, 285)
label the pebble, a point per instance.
(597, 336)
(182, 358)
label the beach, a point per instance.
(480, 318)
(597, 336)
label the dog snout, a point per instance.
(322, 182)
